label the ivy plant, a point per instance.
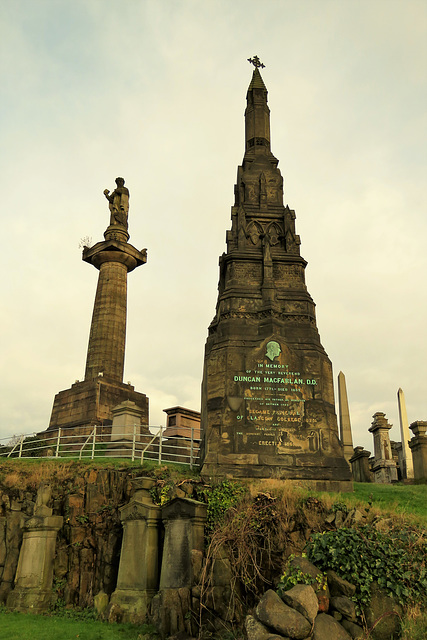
(395, 560)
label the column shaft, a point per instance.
(106, 350)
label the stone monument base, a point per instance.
(329, 474)
(385, 471)
(92, 401)
(133, 603)
(30, 600)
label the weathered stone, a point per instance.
(307, 567)
(345, 606)
(223, 604)
(267, 390)
(255, 630)
(274, 613)
(221, 569)
(338, 586)
(382, 615)
(100, 602)
(303, 599)
(115, 613)
(355, 516)
(339, 519)
(170, 609)
(327, 628)
(310, 569)
(353, 629)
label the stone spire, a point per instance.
(257, 117)
(267, 395)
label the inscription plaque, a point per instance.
(272, 405)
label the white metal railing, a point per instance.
(179, 445)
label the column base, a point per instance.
(30, 600)
(133, 604)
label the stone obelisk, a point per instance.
(91, 401)
(408, 466)
(344, 413)
(268, 407)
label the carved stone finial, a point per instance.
(118, 204)
(256, 62)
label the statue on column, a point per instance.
(118, 203)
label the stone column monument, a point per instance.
(34, 575)
(138, 577)
(91, 401)
(418, 445)
(408, 465)
(268, 407)
(384, 466)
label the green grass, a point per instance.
(407, 499)
(21, 626)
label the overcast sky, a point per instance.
(154, 91)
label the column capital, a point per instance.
(114, 251)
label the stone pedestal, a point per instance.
(91, 402)
(34, 574)
(360, 465)
(184, 522)
(418, 446)
(138, 576)
(384, 467)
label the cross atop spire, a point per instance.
(256, 62)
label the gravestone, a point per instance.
(360, 465)
(268, 407)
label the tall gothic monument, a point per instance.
(268, 405)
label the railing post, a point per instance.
(133, 442)
(20, 446)
(93, 442)
(58, 440)
(192, 447)
(160, 444)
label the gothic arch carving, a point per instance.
(254, 232)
